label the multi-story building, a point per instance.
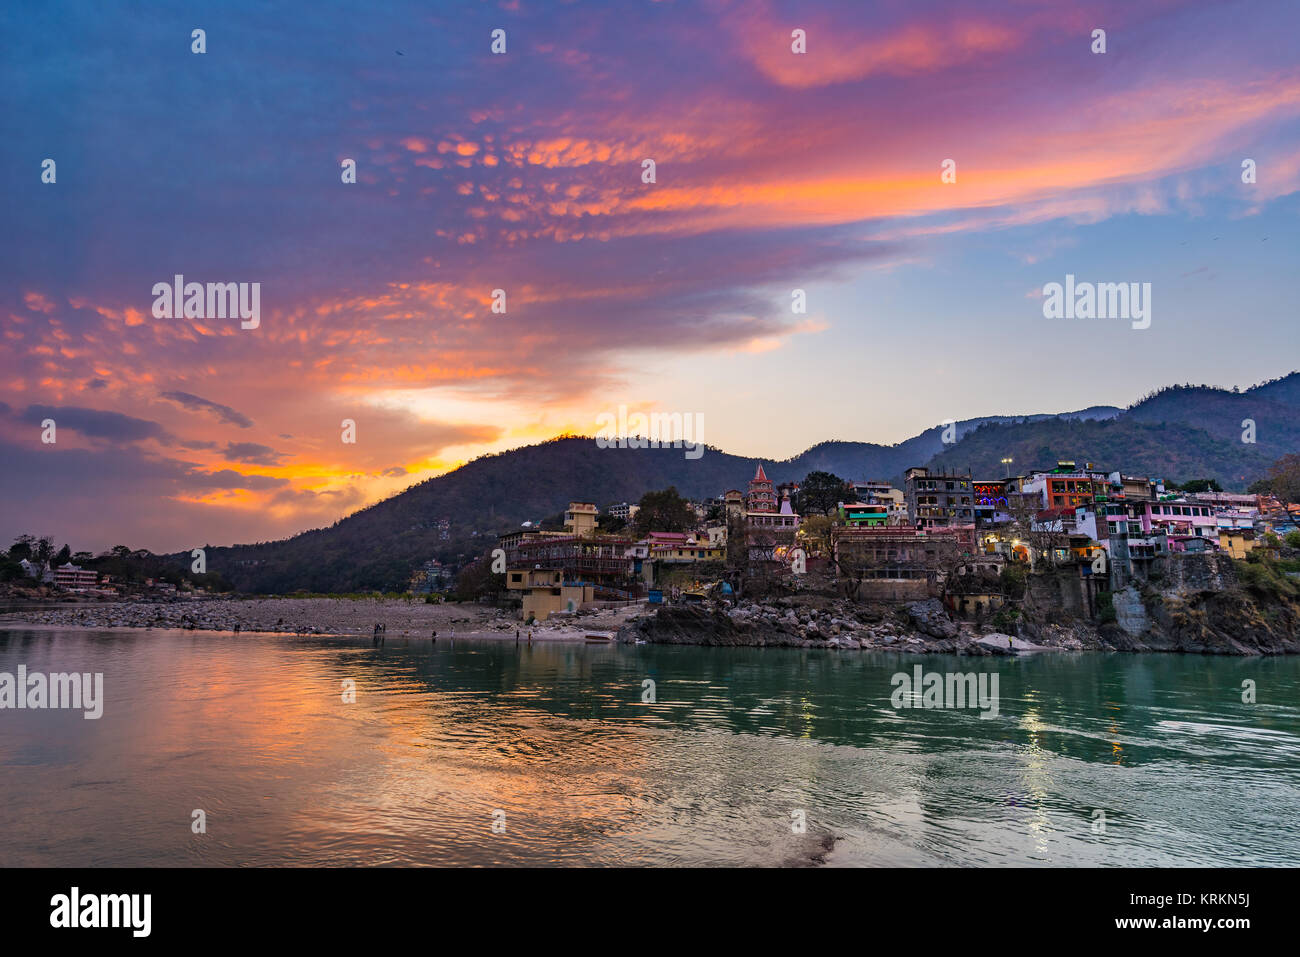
(1180, 519)
(580, 519)
(939, 500)
(767, 533)
(600, 560)
(992, 504)
(761, 497)
(899, 561)
(1226, 500)
(1237, 542)
(734, 502)
(858, 515)
(623, 510)
(1232, 512)
(1133, 487)
(1065, 486)
(1123, 529)
(73, 576)
(543, 591)
(688, 552)
(877, 492)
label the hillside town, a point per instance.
(943, 535)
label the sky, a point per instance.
(774, 171)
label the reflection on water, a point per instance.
(253, 730)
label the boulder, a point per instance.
(930, 618)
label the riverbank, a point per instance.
(1222, 624)
(319, 616)
(922, 627)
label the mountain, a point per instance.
(1177, 433)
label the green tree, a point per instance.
(1201, 485)
(663, 511)
(815, 533)
(820, 493)
(22, 547)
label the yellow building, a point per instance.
(689, 552)
(544, 592)
(580, 519)
(1237, 541)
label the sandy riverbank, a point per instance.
(321, 616)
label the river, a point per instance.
(486, 753)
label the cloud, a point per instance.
(775, 170)
(253, 453)
(199, 404)
(99, 424)
(230, 479)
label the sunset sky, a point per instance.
(775, 171)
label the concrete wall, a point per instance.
(894, 589)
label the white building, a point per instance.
(623, 510)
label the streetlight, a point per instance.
(1007, 462)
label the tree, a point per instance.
(476, 580)
(853, 566)
(22, 547)
(609, 524)
(1039, 537)
(663, 511)
(1282, 479)
(815, 533)
(1201, 485)
(63, 557)
(821, 493)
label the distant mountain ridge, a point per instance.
(1176, 433)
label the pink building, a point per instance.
(1180, 519)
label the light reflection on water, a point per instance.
(252, 730)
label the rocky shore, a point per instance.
(921, 627)
(1219, 623)
(1183, 617)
